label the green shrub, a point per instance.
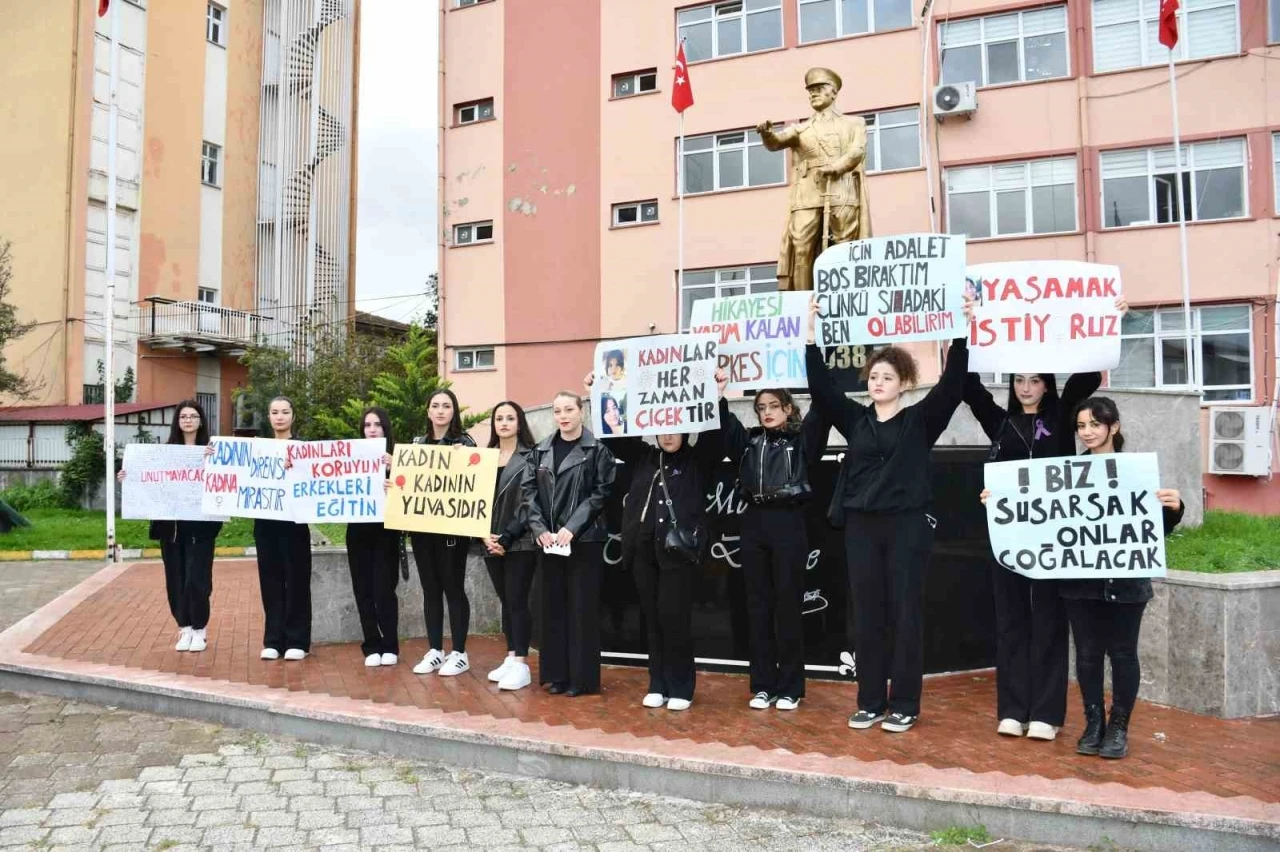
(40, 495)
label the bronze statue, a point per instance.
(829, 201)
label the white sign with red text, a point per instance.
(663, 384)
(163, 482)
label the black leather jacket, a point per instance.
(510, 514)
(464, 440)
(1119, 590)
(572, 497)
(688, 473)
(773, 466)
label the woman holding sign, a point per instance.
(883, 500)
(373, 556)
(572, 476)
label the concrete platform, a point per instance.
(1190, 783)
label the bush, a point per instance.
(40, 495)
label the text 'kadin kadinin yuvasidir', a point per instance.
(442, 489)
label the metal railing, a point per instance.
(161, 320)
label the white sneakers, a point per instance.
(1042, 731)
(455, 664)
(390, 659)
(430, 664)
(1011, 728)
(295, 654)
(199, 640)
(654, 700)
(788, 703)
(495, 676)
(518, 676)
(678, 704)
(373, 660)
(269, 654)
(762, 701)
(184, 640)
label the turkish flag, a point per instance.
(1169, 23)
(681, 88)
(102, 7)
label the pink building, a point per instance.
(559, 150)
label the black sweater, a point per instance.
(1047, 434)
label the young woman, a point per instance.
(186, 547)
(668, 486)
(773, 473)
(612, 420)
(572, 476)
(442, 559)
(1106, 615)
(1031, 621)
(883, 499)
(373, 556)
(512, 557)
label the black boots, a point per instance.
(1115, 743)
(1091, 740)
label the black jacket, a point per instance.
(510, 514)
(464, 440)
(688, 473)
(169, 532)
(773, 465)
(1047, 434)
(572, 497)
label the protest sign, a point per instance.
(246, 478)
(1044, 316)
(337, 482)
(890, 290)
(1087, 517)
(655, 385)
(446, 489)
(760, 337)
(163, 482)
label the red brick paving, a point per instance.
(127, 623)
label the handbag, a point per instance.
(680, 542)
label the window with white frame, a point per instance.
(473, 359)
(473, 112)
(209, 402)
(1139, 185)
(726, 29)
(721, 283)
(1275, 168)
(1018, 47)
(1126, 33)
(215, 25)
(635, 83)
(635, 213)
(461, 3)
(826, 19)
(207, 295)
(729, 160)
(1153, 351)
(893, 139)
(472, 232)
(1006, 199)
(211, 164)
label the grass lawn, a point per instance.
(72, 529)
(1227, 542)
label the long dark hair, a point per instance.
(266, 421)
(1050, 392)
(524, 435)
(1103, 409)
(455, 425)
(383, 418)
(786, 399)
(175, 433)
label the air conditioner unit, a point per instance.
(1238, 440)
(952, 99)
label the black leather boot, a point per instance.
(1091, 740)
(1115, 743)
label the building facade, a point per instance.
(559, 154)
(214, 100)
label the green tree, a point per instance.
(12, 384)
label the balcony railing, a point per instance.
(197, 326)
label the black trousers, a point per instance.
(570, 617)
(512, 577)
(284, 576)
(774, 551)
(373, 555)
(666, 599)
(887, 554)
(188, 578)
(1103, 629)
(442, 569)
(1031, 648)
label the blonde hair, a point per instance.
(566, 394)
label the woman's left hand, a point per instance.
(982, 498)
(564, 537)
(386, 460)
(1122, 305)
(722, 381)
(968, 307)
(1169, 497)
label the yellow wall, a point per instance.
(240, 174)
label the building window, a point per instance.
(725, 29)
(635, 83)
(94, 394)
(1005, 199)
(1275, 168)
(720, 283)
(208, 295)
(893, 139)
(1153, 351)
(1126, 34)
(1273, 21)
(1020, 47)
(473, 232)
(473, 359)
(460, 3)
(209, 402)
(211, 164)
(635, 213)
(473, 112)
(826, 19)
(215, 25)
(729, 160)
(1138, 185)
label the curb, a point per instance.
(125, 553)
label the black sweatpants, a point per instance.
(666, 599)
(512, 576)
(1031, 648)
(188, 578)
(442, 569)
(887, 555)
(284, 576)
(774, 552)
(1103, 629)
(569, 617)
(373, 555)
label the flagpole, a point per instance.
(109, 311)
(680, 212)
(1183, 212)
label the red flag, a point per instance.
(681, 88)
(102, 7)
(1169, 23)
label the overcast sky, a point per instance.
(396, 195)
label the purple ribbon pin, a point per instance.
(1041, 431)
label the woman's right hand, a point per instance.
(546, 540)
(208, 449)
(589, 380)
(120, 476)
(982, 498)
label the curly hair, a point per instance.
(902, 362)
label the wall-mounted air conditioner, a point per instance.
(1238, 439)
(955, 99)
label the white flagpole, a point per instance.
(1183, 213)
(109, 311)
(680, 212)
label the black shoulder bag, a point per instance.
(681, 543)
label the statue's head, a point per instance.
(822, 85)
